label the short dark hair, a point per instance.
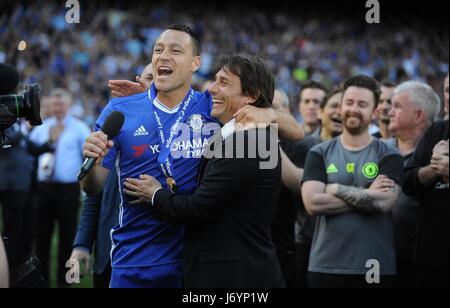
(366, 82)
(256, 78)
(329, 95)
(311, 84)
(196, 45)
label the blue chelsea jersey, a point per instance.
(140, 238)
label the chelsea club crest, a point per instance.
(196, 121)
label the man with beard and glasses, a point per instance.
(384, 106)
(351, 184)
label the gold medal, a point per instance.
(172, 184)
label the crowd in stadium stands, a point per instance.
(110, 44)
(311, 58)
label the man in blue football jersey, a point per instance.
(147, 252)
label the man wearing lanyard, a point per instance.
(146, 251)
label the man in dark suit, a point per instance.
(16, 170)
(228, 219)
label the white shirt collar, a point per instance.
(228, 129)
(163, 108)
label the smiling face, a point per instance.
(174, 61)
(226, 92)
(330, 115)
(356, 109)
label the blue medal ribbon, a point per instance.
(164, 157)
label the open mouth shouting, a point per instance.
(164, 71)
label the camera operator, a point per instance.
(15, 183)
(16, 169)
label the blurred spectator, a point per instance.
(446, 98)
(415, 106)
(382, 114)
(427, 178)
(330, 116)
(283, 225)
(291, 227)
(46, 107)
(120, 88)
(146, 77)
(311, 96)
(113, 43)
(281, 101)
(59, 191)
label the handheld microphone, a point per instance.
(9, 78)
(112, 126)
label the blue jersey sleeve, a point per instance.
(110, 158)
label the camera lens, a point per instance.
(32, 106)
(25, 106)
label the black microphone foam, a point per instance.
(9, 79)
(112, 126)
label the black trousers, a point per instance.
(432, 277)
(14, 207)
(101, 280)
(288, 265)
(302, 258)
(319, 280)
(57, 203)
(407, 273)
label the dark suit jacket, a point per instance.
(16, 164)
(228, 240)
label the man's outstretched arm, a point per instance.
(288, 128)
